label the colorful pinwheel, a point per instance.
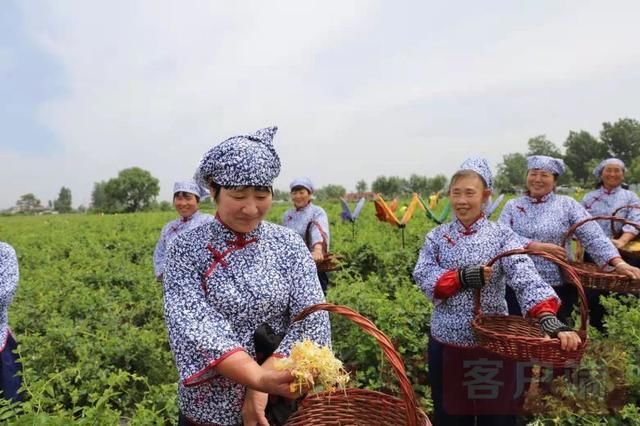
(347, 215)
(439, 219)
(346, 212)
(492, 206)
(386, 212)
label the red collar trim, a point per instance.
(609, 191)
(539, 200)
(188, 218)
(468, 230)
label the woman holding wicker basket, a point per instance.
(235, 279)
(609, 199)
(449, 270)
(310, 222)
(542, 218)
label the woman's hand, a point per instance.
(277, 383)
(550, 248)
(624, 268)
(551, 326)
(317, 254)
(569, 340)
(623, 239)
(486, 271)
(253, 408)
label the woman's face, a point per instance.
(186, 204)
(612, 176)
(300, 197)
(467, 194)
(540, 182)
(243, 209)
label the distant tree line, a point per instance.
(135, 189)
(582, 152)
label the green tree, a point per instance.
(389, 186)
(280, 195)
(426, 185)
(632, 174)
(133, 190)
(63, 203)
(361, 186)
(437, 183)
(540, 145)
(99, 197)
(582, 149)
(419, 184)
(165, 206)
(622, 138)
(28, 203)
(512, 172)
(330, 192)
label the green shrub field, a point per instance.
(88, 319)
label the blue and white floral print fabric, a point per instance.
(8, 282)
(547, 220)
(452, 246)
(597, 171)
(190, 186)
(304, 182)
(481, 167)
(170, 231)
(543, 162)
(299, 219)
(219, 286)
(604, 202)
(247, 160)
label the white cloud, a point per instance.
(358, 88)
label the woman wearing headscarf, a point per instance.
(186, 199)
(450, 268)
(231, 277)
(604, 201)
(10, 365)
(542, 218)
(310, 222)
(609, 197)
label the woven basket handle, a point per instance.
(385, 344)
(569, 273)
(307, 236)
(615, 213)
(576, 225)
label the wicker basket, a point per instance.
(520, 338)
(591, 276)
(331, 262)
(634, 254)
(360, 406)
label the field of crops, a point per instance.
(88, 318)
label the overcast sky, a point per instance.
(358, 88)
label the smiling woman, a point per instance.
(186, 197)
(542, 218)
(450, 269)
(230, 278)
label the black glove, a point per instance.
(265, 341)
(279, 410)
(551, 325)
(471, 277)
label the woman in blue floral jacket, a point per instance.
(227, 278)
